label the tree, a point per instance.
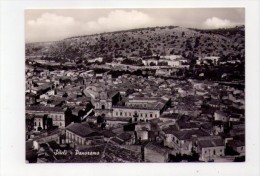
(194, 157)
(175, 158)
(103, 125)
(149, 52)
(141, 53)
(230, 151)
(197, 42)
(172, 51)
(130, 62)
(100, 119)
(178, 157)
(116, 45)
(163, 63)
(107, 59)
(81, 113)
(239, 159)
(89, 106)
(152, 64)
(101, 122)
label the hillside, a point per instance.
(147, 41)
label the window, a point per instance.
(116, 113)
(141, 114)
(205, 151)
(121, 113)
(145, 115)
(155, 115)
(214, 152)
(242, 148)
(151, 115)
(60, 124)
(130, 114)
(125, 114)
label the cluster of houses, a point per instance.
(145, 118)
(111, 103)
(175, 61)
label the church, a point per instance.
(103, 99)
(108, 102)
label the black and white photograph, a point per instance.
(129, 87)
(141, 85)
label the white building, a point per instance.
(221, 116)
(207, 59)
(171, 57)
(210, 147)
(98, 59)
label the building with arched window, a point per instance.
(106, 100)
(102, 98)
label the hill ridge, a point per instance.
(141, 42)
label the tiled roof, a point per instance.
(189, 125)
(117, 141)
(188, 134)
(157, 148)
(210, 143)
(125, 136)
(80, 129)
(170, 130)
(44, 109)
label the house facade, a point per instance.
(210, 147)
(155, 154)
(139, 108)
(51, 116)
(81, 134)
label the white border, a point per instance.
(12, 90)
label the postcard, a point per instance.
(135, 85)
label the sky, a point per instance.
(57, 24)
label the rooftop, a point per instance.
(210, 142)
(188, 134)
(156, 147)
(44, 109)
(82, 130)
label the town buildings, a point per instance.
(82, 134)
(133, 113)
